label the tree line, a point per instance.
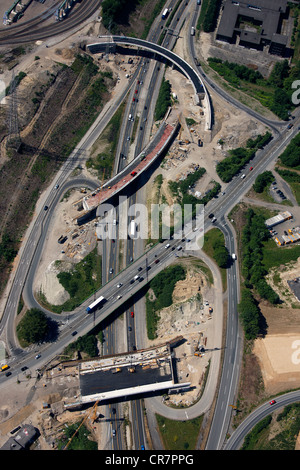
(239, 157)
(254, 234)
(274, 92)
(291, 155)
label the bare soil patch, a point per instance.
(189, 316)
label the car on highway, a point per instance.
(114, 433)
(74, 333)
(119, 297)
(119, 285)
(156, 261)
(111, 271)
(132, 314)
(251, 168)
(129, 328)
(211, 216)
(37, 356)
(140, 268)
(45, 208)
(272, 402)
(24, 368)
(8, 374)
(142, 447)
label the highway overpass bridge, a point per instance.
(129, 175)
(109, 45)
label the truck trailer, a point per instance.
(132, 229)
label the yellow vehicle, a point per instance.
(5, 367)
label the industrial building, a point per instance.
(254, 25)
(278, 219)
(21, 438)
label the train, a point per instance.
(97, 303)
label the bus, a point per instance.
(165, 14)
(95, 304)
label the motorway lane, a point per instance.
(232, 352)
(236, 439)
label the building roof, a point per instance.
(22, 439)
(265, 12)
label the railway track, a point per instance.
(35, 29)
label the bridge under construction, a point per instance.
(123, 375)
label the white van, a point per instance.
(167, 245)
(136, 277)
(243, 176)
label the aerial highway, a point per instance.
(82, 322)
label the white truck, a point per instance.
(132, 229)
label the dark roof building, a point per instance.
(256, 24)
(23, 439)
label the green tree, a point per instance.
(263, 180)
(33, 327)
(249, 314)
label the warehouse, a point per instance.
(278, 219)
